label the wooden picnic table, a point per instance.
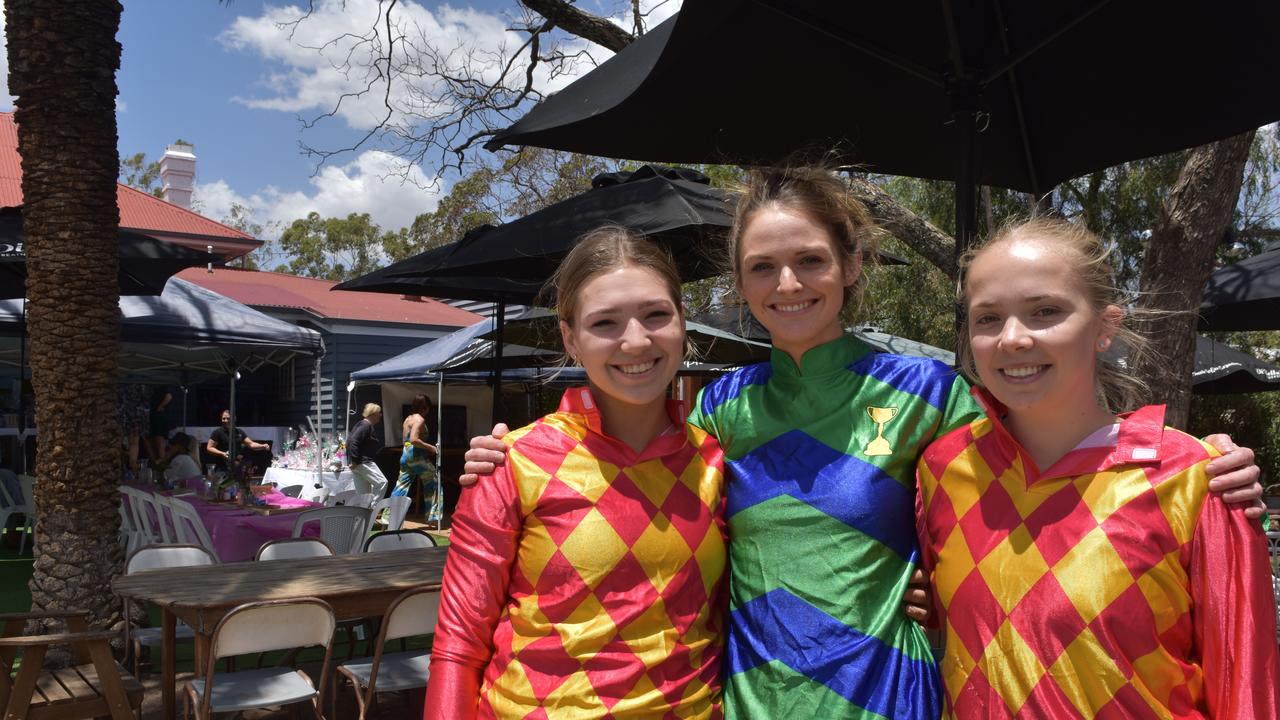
(355, 586)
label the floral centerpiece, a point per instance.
(238, 478)
(311, 451)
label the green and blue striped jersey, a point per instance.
(821, 514)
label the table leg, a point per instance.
(169, 675)
(201, 659)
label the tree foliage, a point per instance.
(332, 248)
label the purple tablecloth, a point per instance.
(237, 533)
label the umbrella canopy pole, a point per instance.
(22, 395)
(500, 319)
(319, 439)
(346, 419)
(440, 449)
(232, 450)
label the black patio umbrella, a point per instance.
(1244, 295)
(1016, 95)
(146, 263)
(1219, 368)
(509, 263)
(672, 206)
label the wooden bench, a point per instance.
(95, 687)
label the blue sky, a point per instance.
(223, 76)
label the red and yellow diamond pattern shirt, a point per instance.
(585, 580)
(1111, 585)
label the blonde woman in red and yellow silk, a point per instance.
(1081, 565)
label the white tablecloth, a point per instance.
(329, 482)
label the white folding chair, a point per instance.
(291, 548)
(22, 505)
(413, 613)
(398, 540)
(157, 557)
(397, 507)
(258, 628)
(188, 525)
(343, 528)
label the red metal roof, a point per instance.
(269, 289)
(138, 210)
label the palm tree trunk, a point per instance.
(63, 57)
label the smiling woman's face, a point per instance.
(793, 278)
(1034, 332)
(628, 334)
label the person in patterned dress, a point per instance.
(585, 580)
(1081, 566)
(821, 445)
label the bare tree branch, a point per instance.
(589, 27)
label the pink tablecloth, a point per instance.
(237, 533)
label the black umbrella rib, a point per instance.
(901, 63)
(1015, 90)
(1016, 60)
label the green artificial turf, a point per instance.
(15, 574)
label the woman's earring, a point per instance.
(1103, 344)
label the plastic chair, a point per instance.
(154, 510)
(158, 557)
(398, 540)
(413, 613)
(364, 500)
(140, 531)
(259, 628)
(338, 498)
(22, 505)
(291, 548)
(343, 528)
(188, 525)
(292, 491)
(397, 507)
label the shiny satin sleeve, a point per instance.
(1233, 614)
(927, 559)
(482, 548)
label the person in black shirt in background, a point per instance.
(219, 444)
(363, 444)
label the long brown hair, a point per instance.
(823, 197)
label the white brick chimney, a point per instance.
(178, 174)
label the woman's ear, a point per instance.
(1112, 315)
(852, 268)
(567, 338)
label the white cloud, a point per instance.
(6, 100)
(371, 183)
(309, 59)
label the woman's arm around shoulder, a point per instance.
(1233, 612)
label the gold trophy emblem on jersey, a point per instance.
(880, 416)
